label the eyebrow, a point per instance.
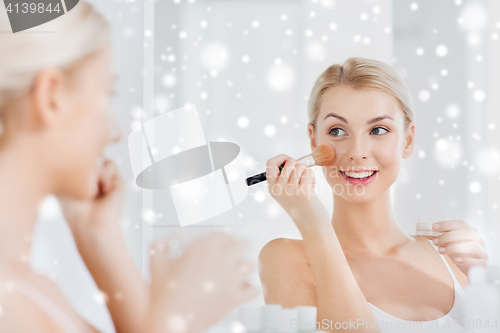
(374, 120)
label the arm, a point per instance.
(339, 298)
(317, 275)
(127, 294)
(178, 289)
(338, 295)
(192, 292)
(283, 266)
(96, 230)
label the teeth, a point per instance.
(359, 174)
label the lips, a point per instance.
(360, 181)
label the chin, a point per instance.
(356, 195)
(87, 190)
(83, 194)
(360, 199)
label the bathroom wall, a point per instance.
(445, 51)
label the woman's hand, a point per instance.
(462, 243)
(96, 230)
(192, 292)
(293, 189)
(87, 218)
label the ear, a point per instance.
(312, 136)
(48, 98)
(410, 140)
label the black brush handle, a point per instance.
(260, 177)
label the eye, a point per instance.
(376, 130)
(335, 131)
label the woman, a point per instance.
(358, 263)
(55, 121)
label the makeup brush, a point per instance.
(322, 155)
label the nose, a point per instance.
(359, 150)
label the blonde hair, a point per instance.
(59, 43)
(360, 73)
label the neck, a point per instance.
(367, 227)
(22, 192)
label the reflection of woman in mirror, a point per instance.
(55, 118)
(359, 263)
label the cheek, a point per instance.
(332, 176)
(387, 154)
(91, 146)
(98, 121)
(90, 133)
(389, 158)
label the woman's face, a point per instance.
(366, 128)
(86, 127)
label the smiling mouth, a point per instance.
(358, 175)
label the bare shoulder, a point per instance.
(283, 266)
(460, 276)
(24, 298)
(283, 245)
(16, 306)
(283, 253)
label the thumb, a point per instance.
(248, 292)
(110, 179)
(164, 249)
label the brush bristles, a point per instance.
(324, 155)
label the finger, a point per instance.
(218, 239)
(159, 247)
(109, 176)
(157, 259)
(101, 177)
(443, 226)
(246, 267)
(246, 284)
(236, 250)
(272, 170)
(297, 173)
(429, 237)
(117, 178)
(467, 249)
(102, 180)
(248, 292)
(307, 177)
(457, 235)
(286, 173)
(469, 262)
